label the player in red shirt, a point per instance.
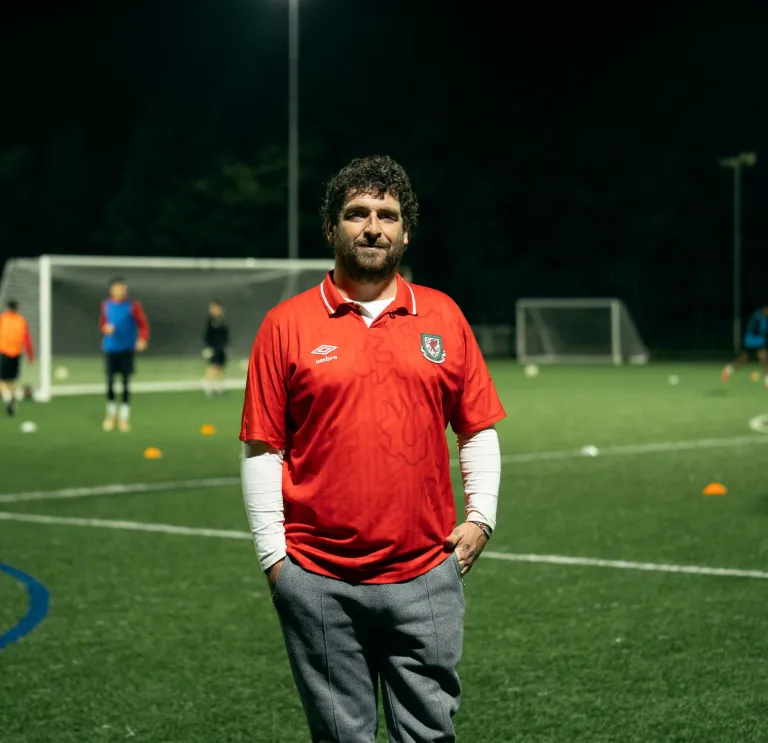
(346, 473)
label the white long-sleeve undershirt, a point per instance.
(262, 479)
(480, 463)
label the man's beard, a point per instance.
(366, 263)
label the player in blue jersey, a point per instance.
(126, 331)
(755, 345)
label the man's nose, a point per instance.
(373, 228)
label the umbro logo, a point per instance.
(324, 350)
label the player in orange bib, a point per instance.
(14, 341)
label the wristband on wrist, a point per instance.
(487, 531)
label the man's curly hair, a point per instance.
(375, 174)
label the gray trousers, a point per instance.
(344, 639)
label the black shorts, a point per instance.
(9, 367)
(119, 363)
(218, 358)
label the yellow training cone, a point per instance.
(715, 488)
(755, 376)
(152, 453)
(207, 429)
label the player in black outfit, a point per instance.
(216, 341)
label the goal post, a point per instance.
(563, 331)
(60, 296)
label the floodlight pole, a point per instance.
(736, 163)
(293, 129)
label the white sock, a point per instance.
(729, 369)
(125, 411)
(208, 387)
(7, 396)
(111, 410)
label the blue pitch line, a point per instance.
(38, 597)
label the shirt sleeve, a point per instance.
(103, 316)
(141, 320)
(266, 389)
(28, 346)
(479, 406)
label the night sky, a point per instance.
(555, 152)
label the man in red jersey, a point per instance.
(346, 473)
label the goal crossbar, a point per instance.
(202, 264)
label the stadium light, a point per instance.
(736, 163)
(293, 129)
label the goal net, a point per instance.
(60, 296)
(561, 331)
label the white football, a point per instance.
(61, 372)
(589, 451)
(531, 371)
(28, 427)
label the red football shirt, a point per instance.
(361, 413)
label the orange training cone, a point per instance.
(207, 429)
(715, 488)
(152, 453)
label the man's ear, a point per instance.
(330, 232)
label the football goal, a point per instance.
(563, 331)
(61, 297)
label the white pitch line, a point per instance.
(658, 447)
(186, 531)
(509, 556)
(119, 489)
(654, 567)
(534, 456)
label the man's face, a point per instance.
(214, 309)
(369, 239)
(118, 291)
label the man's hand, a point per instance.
(141, 345)
(273, 573)
(109, 329)
(467, 541)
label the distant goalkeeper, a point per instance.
(126, 331)
(755, 345)
(216, 339)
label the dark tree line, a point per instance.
(537, 176)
